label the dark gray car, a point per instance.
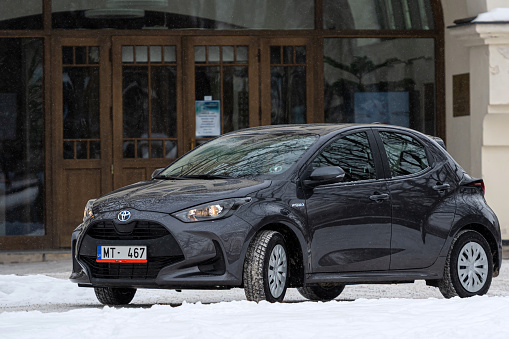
(315, 207)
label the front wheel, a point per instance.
(469, 266)
(114, 295)
(266, 268)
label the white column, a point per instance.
(489, 108)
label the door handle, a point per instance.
(379, 197)
(441, 187)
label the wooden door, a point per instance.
(81, 128)
(147, 106)
(221, 87)
(287, 87)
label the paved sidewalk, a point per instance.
(57, 269)
(15, 257)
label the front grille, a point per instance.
(147, 270)
(139, 230)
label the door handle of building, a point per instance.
(379, 197)
(193, 143)
(441, 187)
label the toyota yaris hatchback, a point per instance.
(315, 207)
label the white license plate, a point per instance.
(122, 254)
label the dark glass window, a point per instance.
(222, 75)
(26, 14)
(405, 154)
(380, 80)
(80, 92)
(183, 14)
(353, 154)
(288, 85)
(149, 121)
(21, 137)
(378, 14)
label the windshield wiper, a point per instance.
(206, 176)
(168, 177)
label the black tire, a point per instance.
(323, 292)
(467, 245)
(114, 295)
(266, 247)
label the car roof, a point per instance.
(318, 129)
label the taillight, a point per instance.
(480, 184)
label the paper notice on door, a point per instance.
(208, 118)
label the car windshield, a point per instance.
(244, 155)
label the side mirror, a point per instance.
(325, 176)
(156, 172)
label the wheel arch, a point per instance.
(492, 242)
(294, 251)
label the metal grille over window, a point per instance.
(149, 101)
(80, 94)
(288, 84)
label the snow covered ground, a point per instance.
(49, 306)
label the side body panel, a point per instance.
(349, 231)
(422, 214)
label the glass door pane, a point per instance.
(149, 105)
(80, 95)
(221, 88)
(286, 75)
(288, 84)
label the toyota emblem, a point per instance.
(124, 216)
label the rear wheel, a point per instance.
(469, 266)
(322, 292)
(114, 295)
(266, 268)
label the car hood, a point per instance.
(169, 196)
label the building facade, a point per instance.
(97, 94)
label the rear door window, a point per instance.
(405, 154)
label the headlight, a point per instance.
(211, 211)
(87, 213)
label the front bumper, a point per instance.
(180, 255)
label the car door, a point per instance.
(423, 202)
(350, 221)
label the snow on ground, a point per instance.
(495, 15)
(42, 306)
(480, 317)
